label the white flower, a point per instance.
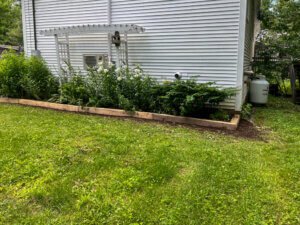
(100, 69)
(118, 70)
(137, 70)
(100, 64)
(131, 78)
(105, 71)
(119, 78)
(110, 65)
(137, 75)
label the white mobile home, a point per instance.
(207, 40)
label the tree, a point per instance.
(280, 37)
(281, 22)
(10, 22)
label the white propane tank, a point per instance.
(259, 90)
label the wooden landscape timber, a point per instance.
(232, 125)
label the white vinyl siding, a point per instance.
(199, 38)
(57, 13)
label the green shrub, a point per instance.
(132, 90)
(135, 89)
(74, 91)
(246, 111)
(22, 77)
(38, 82)
(188, 98)
(12, 70)
(220, 114)
(102, 87)
(119, 88)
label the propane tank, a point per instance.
(259, 90)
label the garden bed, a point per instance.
(232, 125)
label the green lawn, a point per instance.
(62, 168)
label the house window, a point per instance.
(91, 61)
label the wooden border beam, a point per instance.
(232, 125)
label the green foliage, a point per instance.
(135, 89)
(102, 87)
(74, 92)
(246, 111)
(188, 98)
(12, 70)
(62, 168)
(123, 88)
(22, 77)
(282, 20)
(280, 38)
(120, 88)
(221, 115)
(10, 22)
(38, 82)
(132, 90)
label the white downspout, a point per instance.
(109, 35)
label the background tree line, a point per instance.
(280, 39)
(281, 18)
(11, 22)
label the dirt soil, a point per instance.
(245, 130)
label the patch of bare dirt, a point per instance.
(246, 130)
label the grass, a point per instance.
(61, 168)
(286, 87)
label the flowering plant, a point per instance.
(132, 90)
(135, 89)
(121, 87)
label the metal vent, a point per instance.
(91, 61)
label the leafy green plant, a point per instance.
(123, 88)
(136, 88)
(246, 111)
(38, 81)
(22, 77)
(278, 42)
(188, 98)
(12, 70)
(10, 22)
(221, 115)
(74, 92)
(132, 90)
(119, 88)
(102, 87)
